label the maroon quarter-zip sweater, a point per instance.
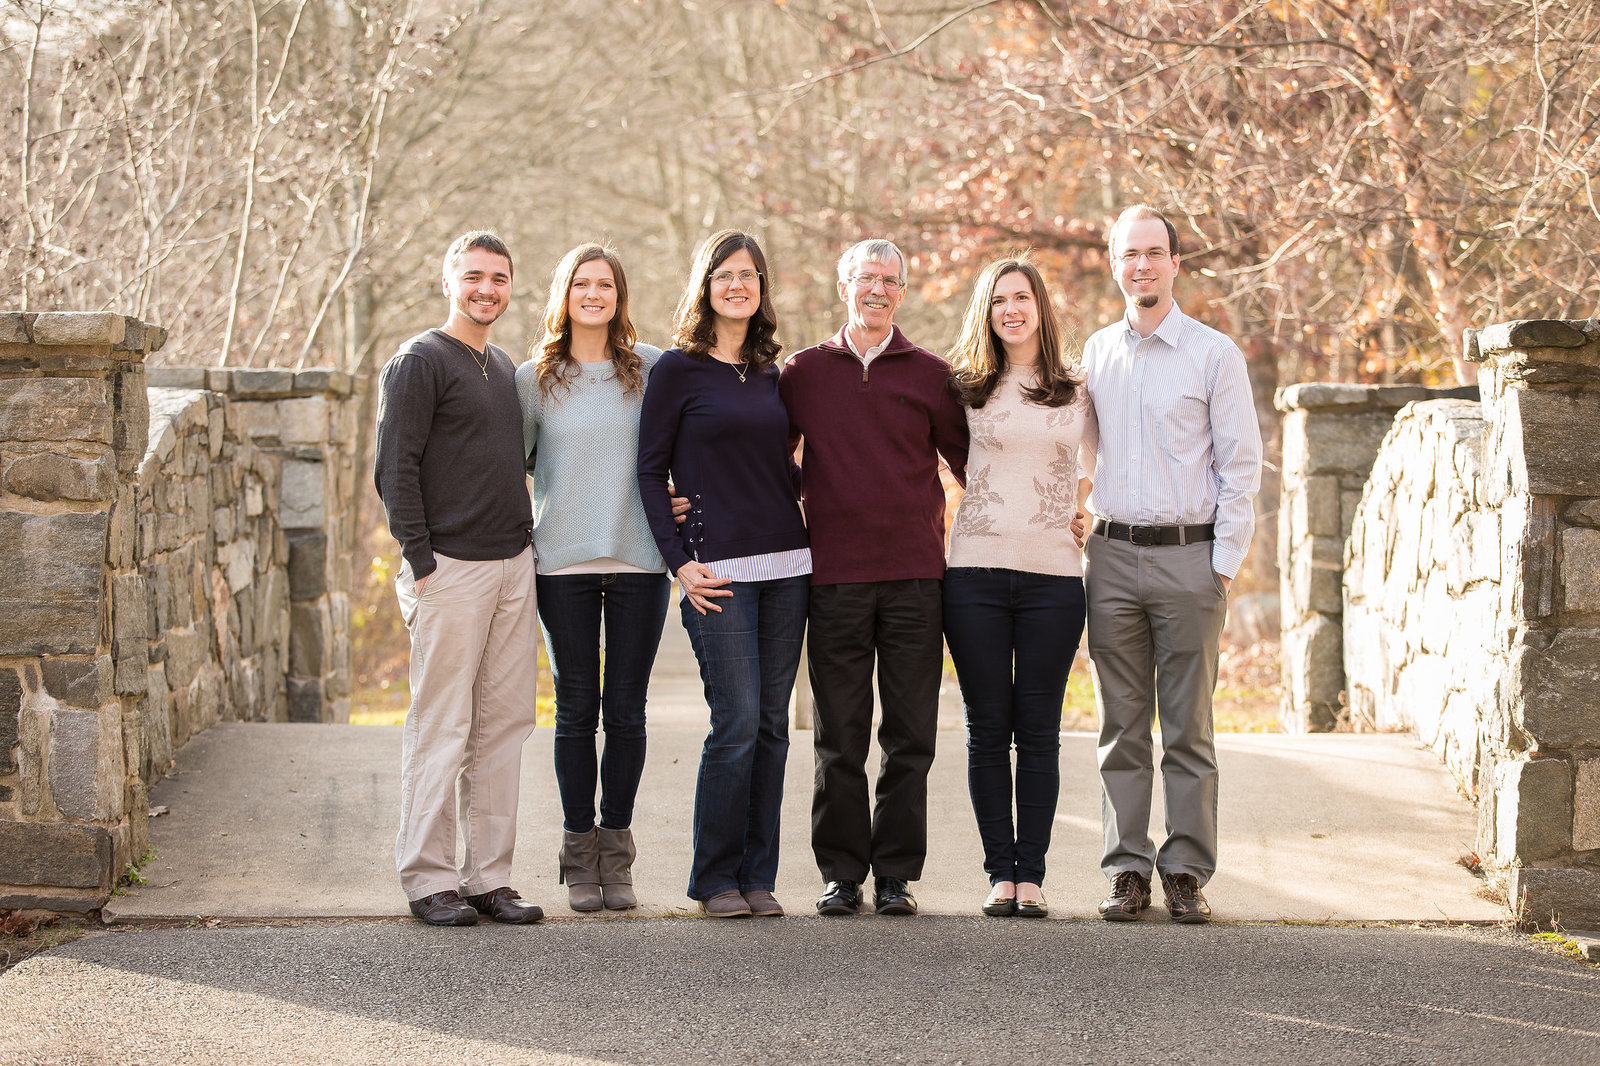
(870, 469)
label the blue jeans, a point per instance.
(748, 657)
(571, 609)
(1012, 636)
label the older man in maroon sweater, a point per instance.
(876, 413)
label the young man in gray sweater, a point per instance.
(449, 470)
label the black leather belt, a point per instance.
(1151, 536)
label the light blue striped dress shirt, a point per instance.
(1179, 439)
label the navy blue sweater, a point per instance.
(724, 444)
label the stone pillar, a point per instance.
(73, 617)
(1331, 435)
(1541, 387)
(306, 419)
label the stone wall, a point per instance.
(1422, 589)
(175, 555)
(73, 430)
(1472, 604)
(1331, 435)
(302, 422)
(213, 566)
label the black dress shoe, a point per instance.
(444, 908)
(839, 897)
(1185, 902)
(505, 906)
(893, 896)
(1130, 895)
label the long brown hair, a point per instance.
(979, 358)
(552, 356)
(696, 330)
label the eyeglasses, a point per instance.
(1154, 255)
(867, 281)
(725, 277)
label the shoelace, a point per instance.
(1184, 886)
(1128, 884)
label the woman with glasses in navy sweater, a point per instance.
(712, 423)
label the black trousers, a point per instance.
(895, 626)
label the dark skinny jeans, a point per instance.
(1012, 636)
(572, 608)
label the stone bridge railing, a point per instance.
(1460, 595)
(175, 555)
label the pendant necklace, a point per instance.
(741, 367)
(481, 364)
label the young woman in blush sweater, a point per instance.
(714, 423)
(598, 567)
(1013, 592)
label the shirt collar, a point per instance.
(1170, 329)
(871, 353)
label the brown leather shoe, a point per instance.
(1130, 895)
(505, 906)
(1185, 901)
(444, 908)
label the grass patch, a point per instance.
(22, 936)
(1561, 945)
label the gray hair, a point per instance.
(875, 250)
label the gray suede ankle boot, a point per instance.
(580, 869)
(616, 868)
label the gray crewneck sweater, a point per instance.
(585, 443)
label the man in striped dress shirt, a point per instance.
(1178, 468)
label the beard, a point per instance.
(1146, 301)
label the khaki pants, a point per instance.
(1155, 622)
(473, 671)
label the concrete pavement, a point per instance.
(271, 931)
(287, 821)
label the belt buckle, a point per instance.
(1144, 536)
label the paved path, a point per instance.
(299, 820)
(272, 930)
(799, 991)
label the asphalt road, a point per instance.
(800, 990)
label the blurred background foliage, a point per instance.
(274, 180)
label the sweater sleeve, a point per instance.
(659, 416)
(950, 431)
(408, 393)
(1089, 442)
(528, 397)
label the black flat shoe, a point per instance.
(893, 896)
(1000, 906)
(839, 898)
(1031, 908)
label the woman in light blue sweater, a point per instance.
(597, 561)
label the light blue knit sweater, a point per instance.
(585, 444)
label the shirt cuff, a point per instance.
(1225, 560)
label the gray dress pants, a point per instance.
(1155, 620)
